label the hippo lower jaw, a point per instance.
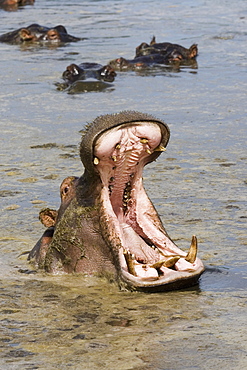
(145, 256)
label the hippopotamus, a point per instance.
(106, 223)
(153, 54)
(89, 72)
(14, 4)
(39, 34)
(173, 52)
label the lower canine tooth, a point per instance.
(191, 255)
(129, 258)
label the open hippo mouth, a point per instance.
(146, 257)
(106, 223)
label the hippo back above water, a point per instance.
(106, 223)
(39, 34)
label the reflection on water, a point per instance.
(198, 187)
(74, 319)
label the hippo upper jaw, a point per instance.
(145, 257)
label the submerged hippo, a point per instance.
(88, 70)
(14, 4)
(38, 34)
(173, 52)
(86, 74)
(165, 53)
(106, 223)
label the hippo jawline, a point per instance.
(146, 258)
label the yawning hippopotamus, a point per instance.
(173, 52)
(85, 75)
(106, 223)
(39, 34)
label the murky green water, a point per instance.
(199, 186)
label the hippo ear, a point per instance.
(60, 29)
(48, 217)
(193, 51)
(25, 34)
(153, 41)
(72, 73)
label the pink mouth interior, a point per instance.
(119, 156)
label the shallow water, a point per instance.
(199, 186)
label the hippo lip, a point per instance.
(147, 257)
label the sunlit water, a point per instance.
(198, 187)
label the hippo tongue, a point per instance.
(137, 246)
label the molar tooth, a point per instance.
(144, 141)
(96, 161)
(114, 158)
(129, 258)
(118, 146)
(160, 148)
(191, 255)
(148, 151)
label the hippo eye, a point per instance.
(52, 35)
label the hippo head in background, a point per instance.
(83, 71)
(173, 52)
(106, 223)
(39, 34)
(14, 4)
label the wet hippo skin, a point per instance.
(38, 34)
(106, 223)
